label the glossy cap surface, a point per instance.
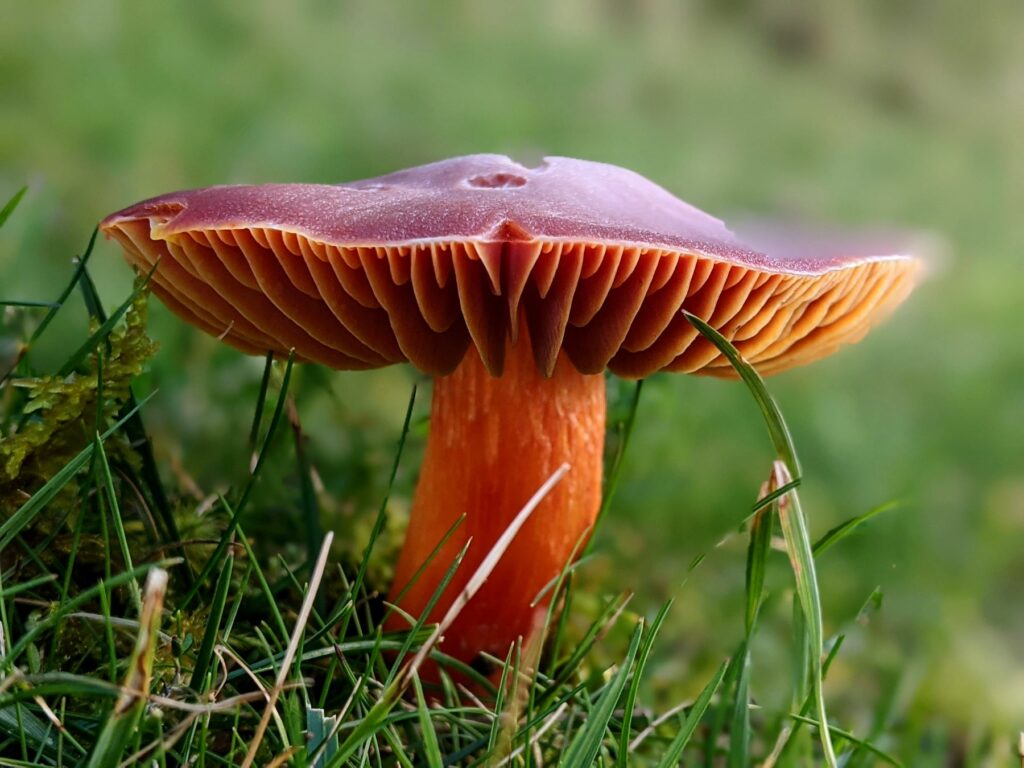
(591, 259)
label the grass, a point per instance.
(856, 114)
(125, 641)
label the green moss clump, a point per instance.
(64, 412)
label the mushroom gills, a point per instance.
(606, 306)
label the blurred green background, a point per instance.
(908, 114)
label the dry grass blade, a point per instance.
(556, 717)
(132, 701)
(484, 571)
(394, 691)
(519, 678)
(293, 647)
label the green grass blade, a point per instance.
(757, 560)
(75, 277)
(798, 547)
(27, 303)
(10, 205)
(397, 678)
(586, 744)
(791, 518)
(496, 730)
(52, 684)
(843, 530)
(103, 469)
(378, 523)
(222, 545)
(675, 749)
(426, 563)
(135, 430)
(634, 687)
(393, 641)
(739, 732)
(26, 586)
(615, 470)
(149, 475)
(769, 498)
(262, 579)
(216, 615)
(430, 750)
(611, 609)
(261, 402)
(777, 429)
(307, 494)
(23, 724)
(91, 297)
(785, 738)
(421, 621)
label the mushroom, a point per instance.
(515, 288)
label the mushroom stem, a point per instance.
(493, 442)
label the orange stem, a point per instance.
(493, 442)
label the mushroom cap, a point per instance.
(417, 265)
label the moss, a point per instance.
(62, 413)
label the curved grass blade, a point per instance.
(26, 586)
(798, 546)
(83, 260)
(767, 499)
(785, 740)
(700, 706)
(843, 530)
(777, 429)
(794, 527)
(10, 205)
(847, 736)
(72, 604)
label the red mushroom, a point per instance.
(515, 288)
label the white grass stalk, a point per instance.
(485, 569)
(293, 647)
